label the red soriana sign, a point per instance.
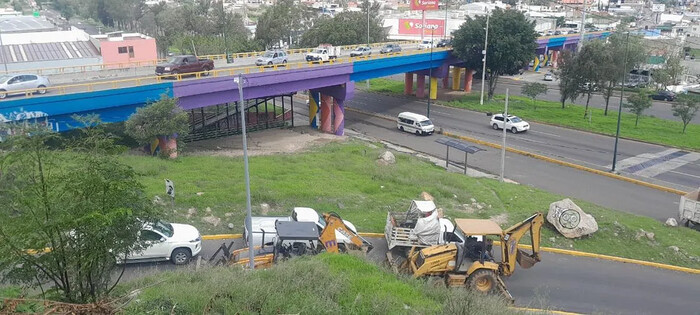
(424, 5)
(414, 27)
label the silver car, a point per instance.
(272, 57)
(361, 51)
(21, 83)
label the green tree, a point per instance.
(589, 69)
(569, 78)
(615, 66)
(532, 90)
(511, 44)
(638, 103)
(284, 21)
(560, 21)
(161, 118)
(67, 8)
(685, 108)
(346, 28)
(671, 72)
(67, 216)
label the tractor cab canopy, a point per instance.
(302, 231)
(472, 227)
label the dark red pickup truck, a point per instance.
(184, 64)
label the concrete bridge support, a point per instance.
(332, 109)
(420, 86)
(468, 78)
(408, 83)
(314, 108)
(456, 78)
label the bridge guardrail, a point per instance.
(152, 63)
(94, 86)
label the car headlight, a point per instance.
(166, 69)
(198, 239)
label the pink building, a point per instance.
(121, 47)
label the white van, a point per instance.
(415, 123)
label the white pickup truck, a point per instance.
(323, 53)
(264, 230)
(689, 208)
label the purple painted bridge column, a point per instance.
(340, 94)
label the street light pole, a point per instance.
(368, 4)
(249, 217)
(619, 109)
(503, 146)
(483, 70)
(2, 49)
(430, 71)
(583, 26)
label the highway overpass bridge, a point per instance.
(329, 86)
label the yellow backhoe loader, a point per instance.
(299, 238)
(471, 263)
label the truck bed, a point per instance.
(399, 236)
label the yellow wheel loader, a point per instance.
(471, 264)
(297, 239)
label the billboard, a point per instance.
(424, 5)
(658, 7)
(414, 26)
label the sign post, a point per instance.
(424, 5)
(170, 190)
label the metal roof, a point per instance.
(459, 145)
(47, 51)
(478, 227)
(21, 24)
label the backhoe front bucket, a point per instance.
(524, 260)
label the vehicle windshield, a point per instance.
(318, 50)
(164, 227)
(174, 60)
(515, 119)
(321, 222)
(426, 42)
(268, 54)
(426, 123)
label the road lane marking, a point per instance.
(542, 132)
(670, 164)
(684, 174)
(641, 158)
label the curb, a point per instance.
(524, 246)
(537, 310)
(569, 164)
(543, 158)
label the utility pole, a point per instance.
(430, 71)
(445, 35)
(4, 61)
(249, 217)
(583, 26)
(619, 109)
(503, 146)
(483, 70)
(368, 5)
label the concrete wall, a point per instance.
(144, 50)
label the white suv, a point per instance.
(168, 241)
(514, 123)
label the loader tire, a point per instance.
(483, 281)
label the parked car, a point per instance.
(168, 241)
(390, 48)
(361, 51)
(548, 76)
(20, 83)
(426, 44)
(272, 57)
(514, 123)
(414, 123)
(663, 96)
(184, 64)
(444, 43)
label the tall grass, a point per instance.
(324, 284)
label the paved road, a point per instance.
(658, 109)
(560, 282)
(653, 163)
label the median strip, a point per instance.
(525, 246)
(542, 157)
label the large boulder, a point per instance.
(386, 158)
(570, 220)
